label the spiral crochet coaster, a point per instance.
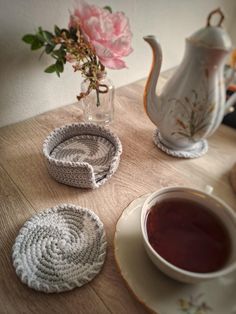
(59, 249)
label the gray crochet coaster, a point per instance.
(60, 248)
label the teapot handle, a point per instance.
(217, 11)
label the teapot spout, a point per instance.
(150, 97)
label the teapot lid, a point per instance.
(212, 36)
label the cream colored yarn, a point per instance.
(60, 248)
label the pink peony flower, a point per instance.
(109, 33)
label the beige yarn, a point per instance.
(60, 248)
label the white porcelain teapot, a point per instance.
(192, 103)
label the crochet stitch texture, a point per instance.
(60, 248)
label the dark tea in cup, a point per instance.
(188, 235)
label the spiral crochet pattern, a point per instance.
(59, 249)
(94, 150)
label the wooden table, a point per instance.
(26, 188)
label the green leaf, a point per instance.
(39, 34)
(59, 66)
(36, 44)
(108, 8)
(40, 37)
(51, 68)
(58, 73)
(57, 53)
(49, 48)
(57, 30)
(60, 53)
(48, 36)
(28, 38)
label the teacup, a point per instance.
(216, 207)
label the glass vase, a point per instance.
(98, 106)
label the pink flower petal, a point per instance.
(92, 28)
(121, 47)
(120, 22)
(115, 64)
(102, 51)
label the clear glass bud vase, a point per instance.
(98, 106)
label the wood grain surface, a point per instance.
(26, 188)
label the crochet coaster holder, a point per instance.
(83, 155)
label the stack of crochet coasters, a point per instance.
(60, 248)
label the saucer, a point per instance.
(155, 290)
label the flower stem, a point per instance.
(98, 99)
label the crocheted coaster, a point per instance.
(199, 149)
(59, 249)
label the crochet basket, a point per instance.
(83, 155)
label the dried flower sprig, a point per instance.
(70, 45)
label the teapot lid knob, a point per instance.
(216, 11)
(212, 36)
